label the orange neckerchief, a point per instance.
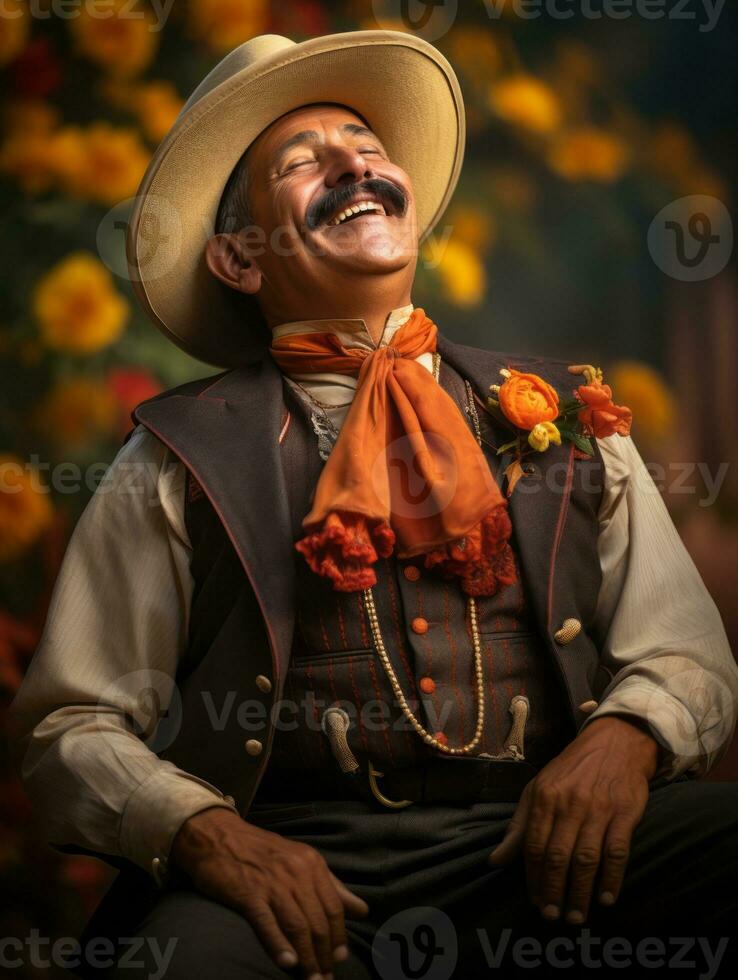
(405, 474)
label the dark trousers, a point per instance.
(438, 910)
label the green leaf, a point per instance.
(507, 445)
(580, 441)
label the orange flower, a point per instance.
(526, 399)
(14, 29)
(25, 508)
(102, 163)
(600, 416)
(123, 42)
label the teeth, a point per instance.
(357, 209)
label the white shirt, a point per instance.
(118, 622)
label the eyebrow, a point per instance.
(310, 137)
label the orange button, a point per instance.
(427, 685)
(441, 737)
(411, 573)
(419, 625)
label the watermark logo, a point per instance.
(159, 239)
(416, 944)
(430, 19)
(691, 239)
(153, 703)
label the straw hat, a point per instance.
(402, 86)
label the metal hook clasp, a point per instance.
(385, 800)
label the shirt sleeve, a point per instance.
(99, 699)
(658, 629)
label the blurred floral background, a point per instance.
(580, 132)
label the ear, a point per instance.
(229, 260)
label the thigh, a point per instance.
(186, 935)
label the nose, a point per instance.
(346, 166)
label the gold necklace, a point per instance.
(371, 611)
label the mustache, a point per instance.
(339, 197)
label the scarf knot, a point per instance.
(406, 475)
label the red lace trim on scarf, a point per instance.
(346, 547)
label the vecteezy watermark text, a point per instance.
(705, 12)
(66, 953)
(98, 9)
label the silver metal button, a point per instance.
(569, 629)
(263, 683)
(254, 746)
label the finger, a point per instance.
(556, 863)
(537, 834)
(307, 897)
(512, 842)
(296, 927)
(333, 907)
(352, 903)
(265, 925)
(616, 852)
(585, 864)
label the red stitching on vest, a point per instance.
(454, 665)
(286, 426)
(377, 691)
(358, 703)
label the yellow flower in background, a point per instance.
(459, 269)
(589, 153)
(646, 393)
(119, 38)
(15, 26)
(26, 158)
(77, 306)
(155, 105)
(526, 102)
(472, 226)
(224, 24)
(29, 116)
(102, 163)
(76, 413)
(542, 435)
(25, 511)
(475, 51)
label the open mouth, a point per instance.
(359, 210)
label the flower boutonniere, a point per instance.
(541, 418)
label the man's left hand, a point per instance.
(576, 818)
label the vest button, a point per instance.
(569, 629)
(263, 683)
(254, 746)
(588, 707)
(419, 625)
(411, 573)
(427, 685)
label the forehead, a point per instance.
(319, 117)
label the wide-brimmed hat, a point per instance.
(400, 84)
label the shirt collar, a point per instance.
(351, 332)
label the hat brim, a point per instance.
(401, 85)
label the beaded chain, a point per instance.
(371, 611)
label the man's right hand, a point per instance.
(283, 888)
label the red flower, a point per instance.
(36, 72)
(131, 386)
(600, 416)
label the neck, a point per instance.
(372, 305)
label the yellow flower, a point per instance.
(472, 226)
(527, 102)
(14, 29)
(475, 51)
(542, 435)
(592, 375)
(26, 158)
(25, 510)
(101, 163)
(460, 270)
(224, 24)
(589, 153)
(155, 105)
(646, 393)
(120, 39)
(78, 307)
(76, 413)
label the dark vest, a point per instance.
(271, 644)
